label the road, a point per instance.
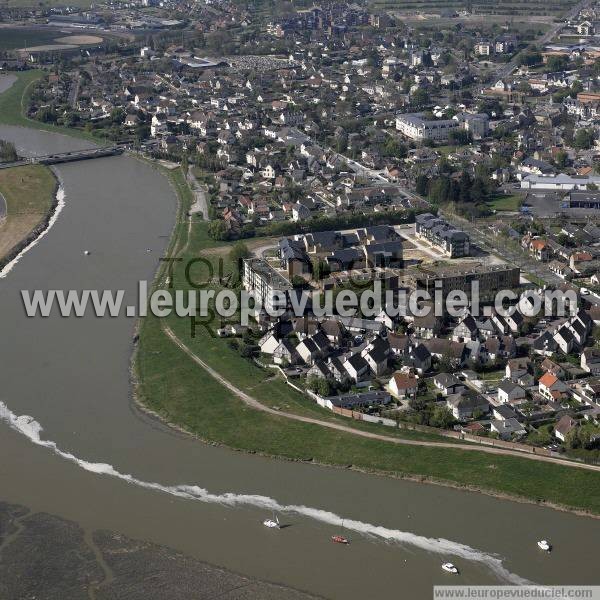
(255, 404)
(200, 204)
(507, 69)
(74, 91)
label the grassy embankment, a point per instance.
(29, 192)
(171, 384)
(14, 101)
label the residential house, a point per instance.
(507, 428)
(286, 353)
(376, 355)
(564, 426)
(509, 391)
(448, 384)
(551, 367)
(540, 250)
(419, 358)
(565, 339)
(427, 327)
(467, 404)
(454, 352)
(590, 360)
(268, 343)
(517, 367)
(357, 367)
(552, 388)
(466, 330)
(402, 385)
(319, 370)
(502, 412)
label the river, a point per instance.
(72, 376)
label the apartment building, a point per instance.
(415, 127)
(490, 279)
(269, 287)
(451, 241)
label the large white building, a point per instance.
(558, 182)
(269, 287)
(415, 127)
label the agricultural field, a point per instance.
(14, 38)
(45, 3)
(551, 8)
(25, 37)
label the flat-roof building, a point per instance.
(269, 287)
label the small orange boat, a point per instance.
(339, 539)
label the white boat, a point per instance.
(450, 568)
(272, 523)
(544, 545)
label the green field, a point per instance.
(38, 4)
(508, 203)
(174, 386)
(10, 39)
(493, 7)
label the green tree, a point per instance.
(441, 417)
(8, 151)
(529, 59)
(557, 63)
(419, 97)
(239, 251)
(394, 148)
(421, 185)
(465, 183)
(584, 139)
(320, 269)
(576, 88)
(561, 159)
(319, 385)
(218, 230)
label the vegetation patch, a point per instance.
(15, 100)
(29, 193)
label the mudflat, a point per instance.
(44, 556)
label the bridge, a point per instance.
(86, 154)
(64, 157)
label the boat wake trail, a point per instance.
(60, 204)
(30, 428)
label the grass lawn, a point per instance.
(178, 389)
(509, 203)
(29, 192)
(493, 375)
(13, 103)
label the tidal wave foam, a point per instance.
(30, 428)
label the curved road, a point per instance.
(254, 403)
